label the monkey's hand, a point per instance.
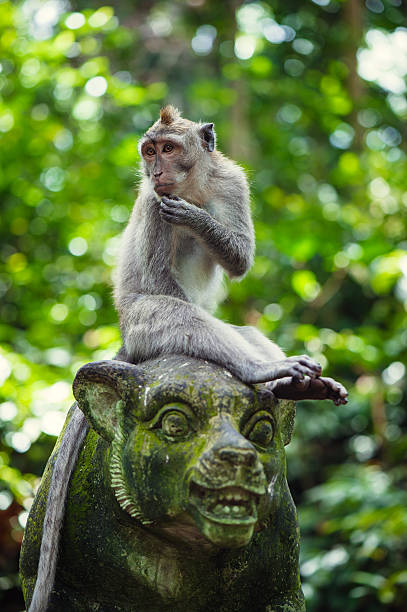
(309, 388)
(177, 211)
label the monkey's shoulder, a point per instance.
(224, 168)
(228, 184)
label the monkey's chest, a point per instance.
(196, 272)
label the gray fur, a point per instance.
(175, 250)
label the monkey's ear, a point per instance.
(99, 386)
(208, 135)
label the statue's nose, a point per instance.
(232, 447)
(238, 456)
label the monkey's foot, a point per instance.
(309, 388)
(296, 367)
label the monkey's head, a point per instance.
(171, 149)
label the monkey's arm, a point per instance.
(231, 243)
(144, 264)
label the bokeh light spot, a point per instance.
(245, 46)
(8, 410)
(78, 246)
(74, 21)
(20, 442)
(96, 86)
(5, 369)
(59, 312)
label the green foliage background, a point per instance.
(324, 150)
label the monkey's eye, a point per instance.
(260, 429)
(149, 151)
(168, 147)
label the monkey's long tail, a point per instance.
(71, 444)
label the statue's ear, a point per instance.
(287, 419)
(208, 135)
(99, 386)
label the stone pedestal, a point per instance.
(179, 499)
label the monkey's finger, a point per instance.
(308, 362)
(334, 385)
(336, 391)
(305, 359)
(339, 400)
(170, 209)
(298, 371)
(170, 201)
(302, 370)
(174, 212)
(177, 204)
(173, 219)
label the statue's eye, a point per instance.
(262, 433)
(260, 429)
(175, 420)
(168, 147)
(175, 424)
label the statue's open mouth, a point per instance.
(227, 505)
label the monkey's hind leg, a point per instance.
(263, 348)
(155, 325)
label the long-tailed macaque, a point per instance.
(190, 223)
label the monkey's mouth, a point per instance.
(227, 505)
(161, 188)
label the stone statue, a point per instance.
(179, 499)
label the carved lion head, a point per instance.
(194, 453)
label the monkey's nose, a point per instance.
(157, 173)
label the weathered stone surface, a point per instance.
(179, 499)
